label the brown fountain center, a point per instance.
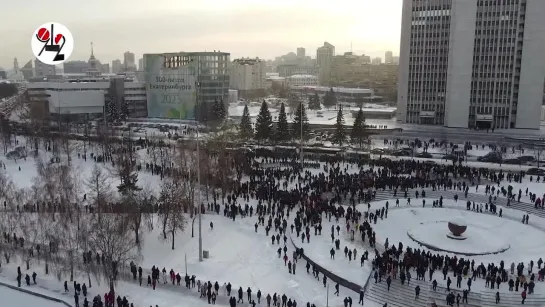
(456, 230)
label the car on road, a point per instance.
(536, 171)
(424, 155)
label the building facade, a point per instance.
(178, 82)
(117, 66)
(302, 80)
(247, 74)
(87, 97)
(389, 57)
(287, 70)
(324, 58)
(75, 67)
(472, 64)
(129, 61)
(43, 70)
(343, 94)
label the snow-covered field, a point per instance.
(246, 258)
(11, 297)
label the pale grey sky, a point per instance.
(251, 28)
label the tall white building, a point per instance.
(388, 57)
(117, 66)
(472, 63)
(324, 59)
(248, 74)
(128, 61)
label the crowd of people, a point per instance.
(317, 192)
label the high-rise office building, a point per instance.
(388, 57)
(324, 58)
(247, 74)
(141, 64)
(117, 66)
(472, 63)
(128, 61)
(300, 52)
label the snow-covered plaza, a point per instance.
(318, 215)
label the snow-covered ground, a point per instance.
(244, 257)
(11, 297)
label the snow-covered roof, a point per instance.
(347, 90)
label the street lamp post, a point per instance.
(301, 150)
(198, 86)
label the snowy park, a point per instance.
(269, 231)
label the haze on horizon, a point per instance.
(245, 28)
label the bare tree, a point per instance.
(186, 163)
(222, 164)
(113, 238)
(98, 185)
(138, 207)
(9, 224)
(173, 196)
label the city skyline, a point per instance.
(241, 27)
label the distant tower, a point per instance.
(15, 64)
(93, 70)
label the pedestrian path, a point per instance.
(399, 295)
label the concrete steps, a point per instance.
(511, 299)
(399, 295)
(440, 297)
(449, 194)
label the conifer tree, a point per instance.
(245, 129)
(314, 102)
(282, 130)
(330, 99)
(359, 134)
(217, 113)
(339, 136)
(263, 123)
(300, 119)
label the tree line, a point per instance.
(266, 131)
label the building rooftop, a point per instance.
(301, 76)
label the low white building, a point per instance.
(88, 96)
(302, 80)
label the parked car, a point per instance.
(493, 157)
(424, 155)
(401, 153)
(536, 172)
(512, 161)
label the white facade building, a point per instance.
(302, 80)
(472, 63)
(247, 74)
(88, 96)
